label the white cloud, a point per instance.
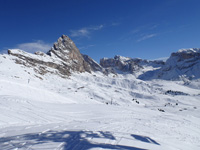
(135, 31)
(86, 47)
(85, 32)
(154, 26)
(115, 24)
(162, 58)
(34, 46)
(145, 37)
(96, 27)
(80, 32)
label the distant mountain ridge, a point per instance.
(129, 65)
(65, 58)
(184, 63)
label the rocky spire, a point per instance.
(64, 43)
(66, 50)
(64, 57)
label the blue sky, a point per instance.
(147, 29)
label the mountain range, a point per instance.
(65, 58)
(65, 100)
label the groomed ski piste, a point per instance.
(92, 111)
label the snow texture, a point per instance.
(90, 111)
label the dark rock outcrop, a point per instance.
(130, 65)
(93, 64)
(66, 50)
(182, 64)
(63, 59)
(40, 65)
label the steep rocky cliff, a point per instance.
(184, 63)
(93, 64)
(63, 59)
(122, 64)
(66, 50)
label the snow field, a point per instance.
(51, 112)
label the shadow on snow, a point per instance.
(144, 139)
(76, 140)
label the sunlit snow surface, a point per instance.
(49, 112)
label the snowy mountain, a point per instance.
(63, 59)
(136, 66)
(184, 63)
(66, 100)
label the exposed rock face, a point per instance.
(66, 50)
(184, 63)
(42, 64)
(184, 54)
(93, 64)
(63, 58)
(120, 63)
(126, 64)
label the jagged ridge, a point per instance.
(65, 58)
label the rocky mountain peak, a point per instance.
(182, 64)
(127, 64)
(189, 50)
(186, 54)
(66, 50)
(64, 43)
(64, 58)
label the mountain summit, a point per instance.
(65, 95)
(65, 58)
(184, 63)
(66, 50)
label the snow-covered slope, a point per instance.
(63, 59)
(135, 66)
(182, 65)
(66, 101)
(94, 111)
(185, 62)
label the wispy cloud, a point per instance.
(162, 58)
(145, 28)
(86, 47)
(115, 24)
(85, 32)
(145, 37)
(34, 46)
(153, 26)
(134, 31)
(140, 33)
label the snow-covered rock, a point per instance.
(93, 64)
(135, 66)
(184, 63)
(64, 58)
(66, 50)
(90, 110)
